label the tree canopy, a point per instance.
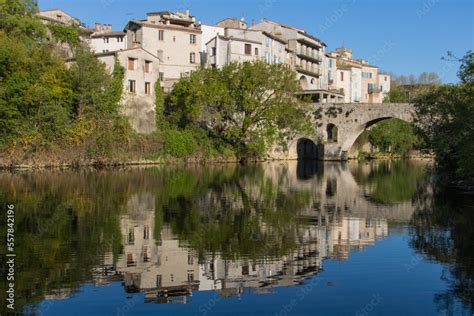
(249, 105)
(445, 116)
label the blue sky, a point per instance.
(401, 36)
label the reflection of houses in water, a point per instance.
(161, 269)
(168, 272)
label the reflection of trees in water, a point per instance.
(442, 230)
(237, 215)
(390, 182)
(70, 220)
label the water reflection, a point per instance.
(168, 270)
(170, 232)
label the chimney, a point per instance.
(97, 26)
(253, 22)
(187, 13)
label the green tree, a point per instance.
(445, 116)
(396, 95)
(159, 103)
(394, 136)
(249, 105)
(17, 20)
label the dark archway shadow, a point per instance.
(307, 149)
(308, 169)
(308, 159)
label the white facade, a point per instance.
(175, 38)
(141, 73)
(108, 42)
(223, 50)
(384, 83)
(208, 32)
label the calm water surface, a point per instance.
(272, 239)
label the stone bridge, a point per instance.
(339, 126)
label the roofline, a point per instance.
(240, 20)
(142, 23)
(108, 34)
(231, 38)
(115, 52)
(283, 25)
(274, 37)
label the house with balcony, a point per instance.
(305, 54)
(360, 81)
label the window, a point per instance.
(161, 35)
(162, 76)
(192, 58)
(106, 40)
(332, 132)
(132, 84)
(385, 78)
(147, 66)
(158, 281)
(192, 39)
(131, 236)
(256, 51)
(131, 262)
(213, 53)
(248, 49)
(342, 76)
(190, 277)
(280, 47)
(330, 63)
(146, 256)
(267, 42)
(190, 259)
(147, 88)
(131, 64)
(146, 232)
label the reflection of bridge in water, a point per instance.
(338, 219)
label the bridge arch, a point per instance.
(305, 148)
(352, 136)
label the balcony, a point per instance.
(315, 58)
(373, 89)
(315, 72)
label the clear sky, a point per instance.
(401, 36)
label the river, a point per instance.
(292, 238)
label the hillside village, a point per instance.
(167, 45)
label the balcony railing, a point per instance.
(314, 57)
(373, 89)
(308, 70)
